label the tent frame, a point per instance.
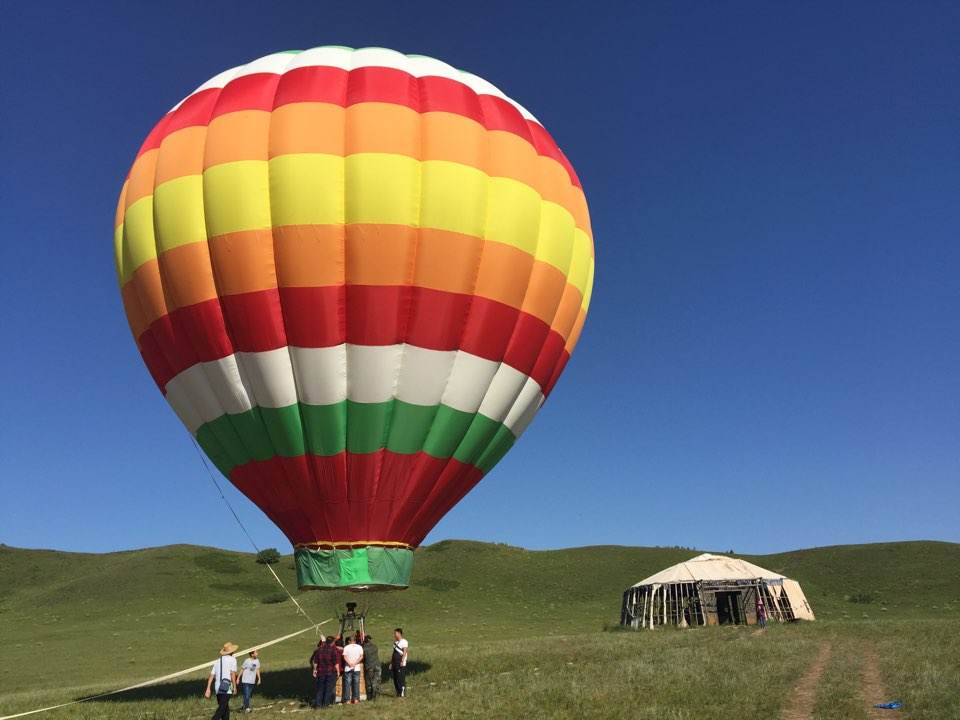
(693, 602)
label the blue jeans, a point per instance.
(351, 686)
(247, 690)
(326, 690)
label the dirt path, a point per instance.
(801, 702)
(871, 685)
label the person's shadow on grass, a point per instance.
(286, 684)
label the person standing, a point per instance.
(761, 614)
(249, 678)
(371, 667)
(325, 672)
(223, 678)
(352, 657)
(398, 662)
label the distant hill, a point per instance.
(137, 611)
(493, 582)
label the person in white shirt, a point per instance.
(352, 657)
(249, 677)
(223, 678)
(398, 662)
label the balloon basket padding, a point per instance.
(358, 569)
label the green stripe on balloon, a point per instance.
(358, 428)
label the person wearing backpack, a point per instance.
(223, 678)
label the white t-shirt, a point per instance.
(250, 667)
(229, 665)
(352, 655)
(400, 646)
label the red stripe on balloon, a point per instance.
(357, 314)
(267, 91)
(381, 496)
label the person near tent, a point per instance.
(324, 662)
(223, 679)
(761, 614)
(352, 657)
(398, 662)
(249, 678)
(371, 667)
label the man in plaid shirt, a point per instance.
(325, 669)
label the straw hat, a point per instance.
(229, 648)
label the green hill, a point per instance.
(126, 616)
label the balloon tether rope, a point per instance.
(236, 517)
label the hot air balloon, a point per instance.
(355, 275)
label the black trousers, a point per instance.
(223, 707)
(399, 679)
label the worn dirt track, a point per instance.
(871, 685)
(800, 704)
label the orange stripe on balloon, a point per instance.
(362, 254)
(242, 135)
(567, 311)
(309, 255)
(134, 311)
(575, 332)
(148, 288)
(181, 154)
(188, 274)
(380, 254)
(448, 260)
(544, 291)
(121, 205)
(243, 262)
(142, 176)
(308, 127)
(503, 274)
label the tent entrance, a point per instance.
(730, 608)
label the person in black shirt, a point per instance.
(371, 667)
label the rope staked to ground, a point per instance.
(315, 626)
(171, 676)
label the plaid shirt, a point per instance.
(325, 658)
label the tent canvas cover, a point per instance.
(712, 589)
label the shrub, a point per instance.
(861, 598)
(273, 598)
(268, 556)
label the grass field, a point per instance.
(496, 632)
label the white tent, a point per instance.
(710, 567)
(712, 589)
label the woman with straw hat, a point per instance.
(223, 677)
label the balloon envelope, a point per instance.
(355, 275)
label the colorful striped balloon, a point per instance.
(355, 275)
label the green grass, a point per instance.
(496, 631)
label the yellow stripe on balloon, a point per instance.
(453, 197)
(375, 188)
(236, 197)
(118, 252)
(513, 214)
(138, 235)
(382, 188)
(588, 294)
(580, 261)
(556, 241)
(307, 189)
(179, 212)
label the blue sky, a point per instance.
(771, 359)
